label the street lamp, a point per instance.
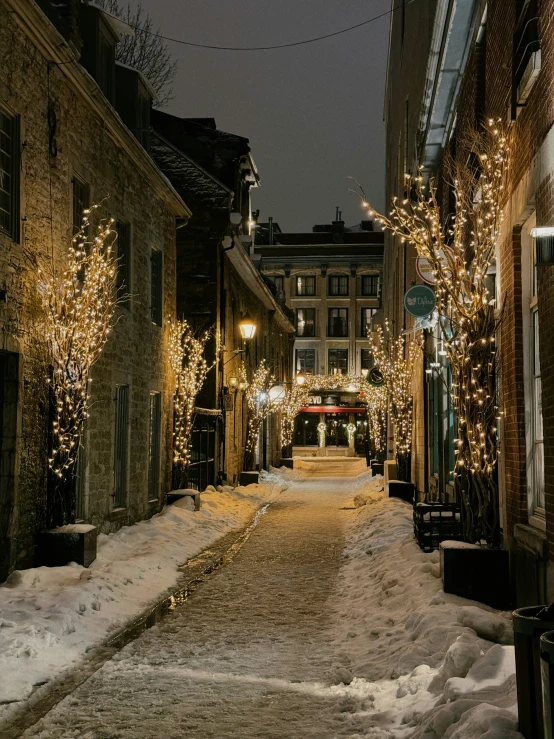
(300, 378)
(247, 327)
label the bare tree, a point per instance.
(144, 51)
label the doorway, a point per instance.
(9, 372)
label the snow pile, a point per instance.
(50, 617)
(433, 665)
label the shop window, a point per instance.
(367, 315)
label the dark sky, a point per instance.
(313, 113)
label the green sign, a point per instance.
(420, 301)
(375, 377)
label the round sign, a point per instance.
(375, 377)
(424, 268)
(420, 301)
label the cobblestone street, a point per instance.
(249, 654)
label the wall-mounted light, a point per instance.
(277, 393)
(247, 327)
(365, 372)
(300, 378)
(544, 242)
(242, 386)
(233, 382)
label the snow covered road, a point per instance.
(249, 654)
(330, 622)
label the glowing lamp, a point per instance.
(277, 393)
(364, 372)
(247, 327)
(300, 378)
(233, 382)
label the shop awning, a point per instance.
(330, 409)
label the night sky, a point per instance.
(313, 114)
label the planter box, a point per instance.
(249, 478)
(403, 490)
(174, 495)
(435, 523)
(287, 462)
(72, 543)
(389, 472)
(476, 573)
(377, 468)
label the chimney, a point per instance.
(337, 232)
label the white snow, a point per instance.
(436, 665)
(50, 617)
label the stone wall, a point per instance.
(122, 178)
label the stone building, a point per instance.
(331, 280)
(218, 284)
(74, 131)
(451, 69)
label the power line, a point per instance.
(266, 48)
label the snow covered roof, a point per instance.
(191, 180)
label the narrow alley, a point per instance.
(248, 655)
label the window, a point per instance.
(338, 361)
(154, 446)
(338, 285)
(370, 285)
(532, 373)
(305, 285)
(9, 175)
(123, 251)
(367, 315)
(305, 361)
(305, 429)
(366, 359)
(305, 322)
(526, 55)
(80, 202)
(338, 322)
(121, 446)
(156, 286)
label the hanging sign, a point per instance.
(375, 377)
(424, 269)
(420, 301)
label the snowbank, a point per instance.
(50, 617)
(432, 665)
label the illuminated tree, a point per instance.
(375, 398)
(460, 254)
(259, 406)
(396, 367)
(296, 397)
(190, 368)
(79, 298)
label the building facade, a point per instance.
(218, 285)
(450, 70)
(331, 280)
(65, 146)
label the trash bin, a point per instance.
(527, 632)
(547, 675)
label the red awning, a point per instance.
(330, 409)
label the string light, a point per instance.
(460, 255)
(390, 358)
(259, 405)
(190, 369)
(296, 397)
(79, 298)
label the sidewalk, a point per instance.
(51, 617)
